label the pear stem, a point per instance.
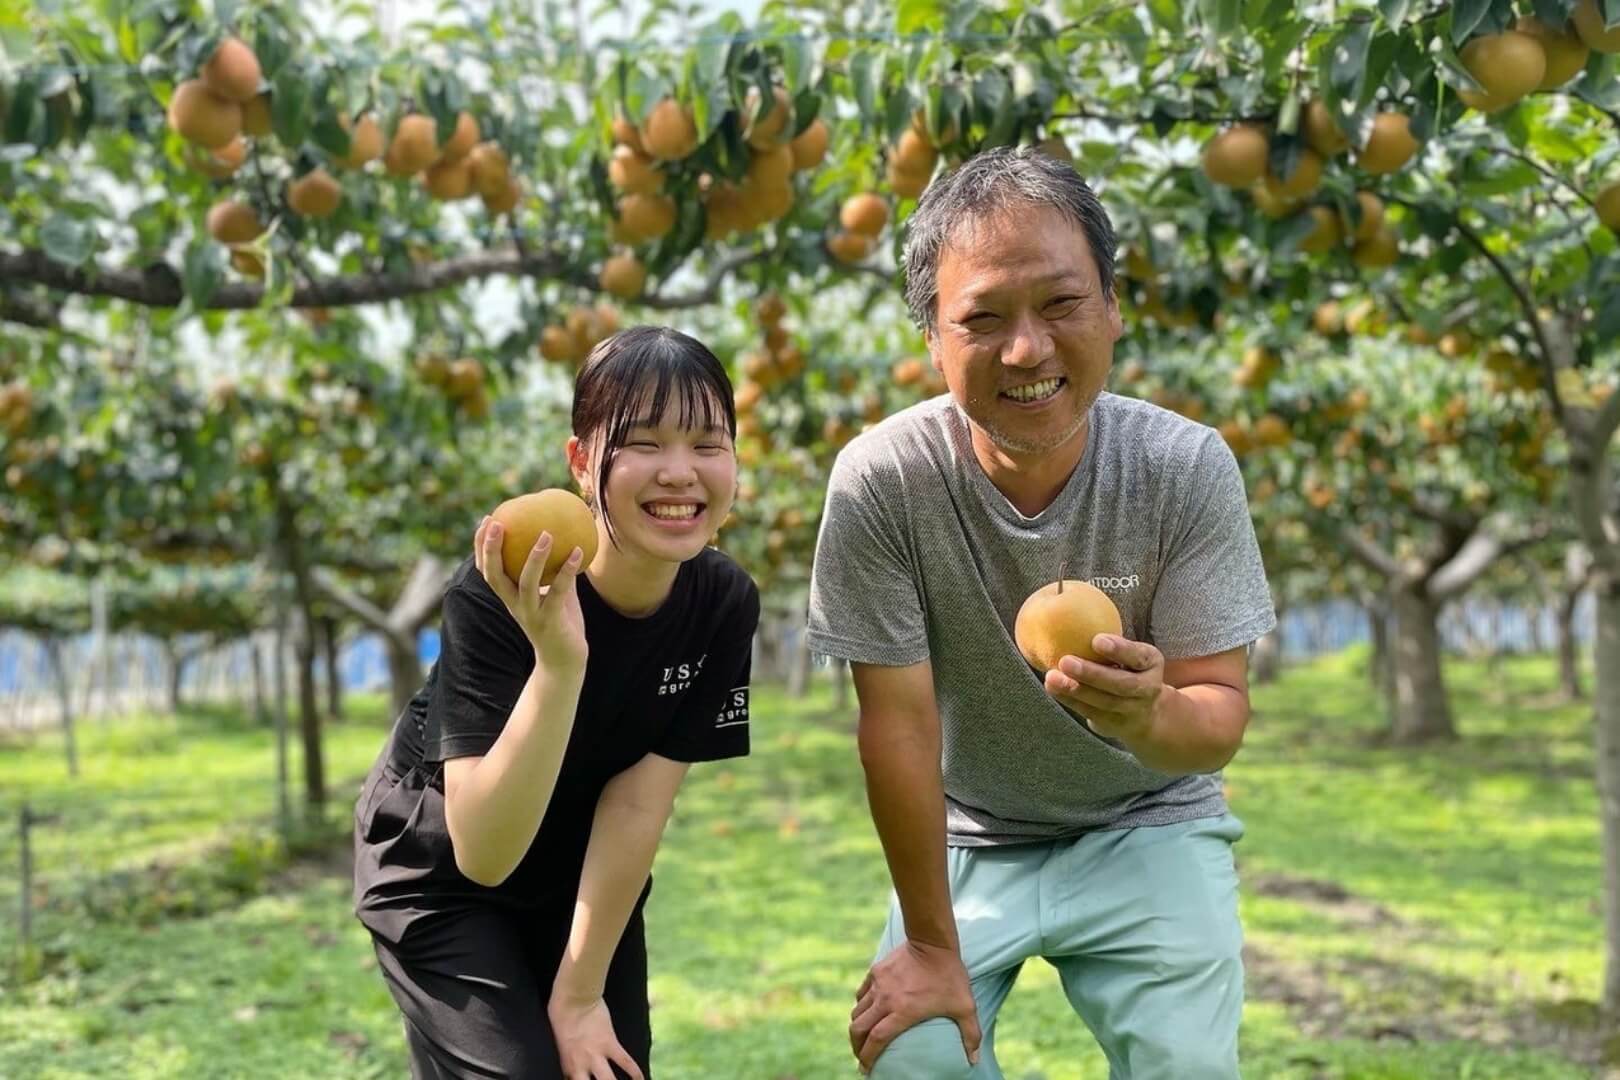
(1063, 571)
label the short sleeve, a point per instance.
(865, 605)
(712, 723)
(484, 661)
(1212, 593)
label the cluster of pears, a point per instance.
(1240, 157)
(581, 330)
(916, 373)
(914, 156)
(1260, 365)
(1268, 430)
(779, 360)
(643, 156)
(1532, 56)
(861, 220)
(225, 102)
(462, 381)
(16, 407)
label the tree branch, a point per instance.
(710, 292)
(1527, 304)
(27, 311)
(334, 590)
(1477, 554)
(1369, 554)
(160, 286)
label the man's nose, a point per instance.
(1030, 344)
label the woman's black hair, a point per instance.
(630, 378)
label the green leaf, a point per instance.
(896, 113)
(1380, 58)
(129, 46)
(1166, 14)
(806, 107)
(712, 55)
(1394, 12)
(329, 135)
(1465, 16)
(992, 95)
(25, 118)
(1607, 326)
(1553, 12)
(204, 271)
(1347, 58)
(912, 16)
(289, 112)
(1288, 233)
(796, 61)
(1224, 17)
(866, 74)
(272, 48)
(1515, 177)
(66, 239)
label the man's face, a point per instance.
(1024, 333)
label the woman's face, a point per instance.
(670, 486)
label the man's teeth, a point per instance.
(672, 511)
(1035, 391)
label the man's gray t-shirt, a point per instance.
(921, 557)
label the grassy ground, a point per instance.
(1410, 914)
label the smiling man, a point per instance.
(1075, 818)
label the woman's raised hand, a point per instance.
(549, 614)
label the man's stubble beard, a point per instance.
(1013, 445)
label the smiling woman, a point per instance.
(504, 838)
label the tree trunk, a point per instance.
(1569, 649)
(1422, 709)
(404, 669)
(278, 668)
(1606, 665)
(260, 713)
(416, 605)
(64, 697)
(309, 712)
(309, 720)
(334, 677)
(1378, 665)
(799, 666)
(1266, 659)
(175, 666)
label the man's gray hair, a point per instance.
(996, 180)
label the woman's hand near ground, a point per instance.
(586, 1044)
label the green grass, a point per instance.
(1468, 875)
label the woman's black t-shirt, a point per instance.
(673, 683)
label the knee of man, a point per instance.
(1186, 1058)
(930, 1051)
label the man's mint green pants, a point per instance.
(1142, 926)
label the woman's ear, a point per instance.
(579, 462)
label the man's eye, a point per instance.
(1059, 303)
